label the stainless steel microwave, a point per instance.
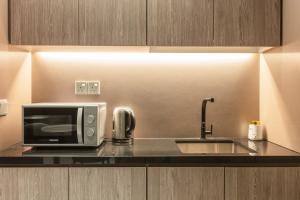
(64, 124)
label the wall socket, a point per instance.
(93, 87)
(87, 87)
(81, 88)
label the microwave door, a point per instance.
(53, 125)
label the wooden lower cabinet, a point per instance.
(153, 183)
(262, 183)
(186, 183)
(33, 183)
(111, 183)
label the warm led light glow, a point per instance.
(183, 58)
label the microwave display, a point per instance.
(51, 125)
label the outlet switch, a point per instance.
(94, 87)
(3, 107)
(81, 87)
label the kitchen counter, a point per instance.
(146, 152)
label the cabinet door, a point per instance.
(186, 183)
(107, 183)
(44, 22)
(112, 22)
(180, 22)
(247, 22)
(262, 183)
(33, 184)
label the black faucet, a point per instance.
(204, 132)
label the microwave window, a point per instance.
(50, 125)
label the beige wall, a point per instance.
(15, 76)
(165, 90)
(280, 83)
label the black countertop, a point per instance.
(146, 152)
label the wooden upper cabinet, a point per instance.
(44, 22)
(146, 22)
(112, 22)
(276, 183)
(247, 22)
(180, 22)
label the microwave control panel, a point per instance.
(90, 125)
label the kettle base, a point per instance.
(122, 141)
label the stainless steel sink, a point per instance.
(212, 146)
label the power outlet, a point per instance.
(81, 87)
(3, 107)
(94, 87)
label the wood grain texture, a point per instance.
(112, 22)
(107, 183)
(247, 22)
(180, 22)
(44, 22)
(262, 183)
(33, 184)
(3, 24)
(186, 183)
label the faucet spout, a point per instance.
(204, 132)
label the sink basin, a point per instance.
(216, 146)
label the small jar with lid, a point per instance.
(256, 130)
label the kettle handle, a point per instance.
(132, 122)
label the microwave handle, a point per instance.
(79, 125)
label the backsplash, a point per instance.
(279, 84)
(15, 76)
(165, 90)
